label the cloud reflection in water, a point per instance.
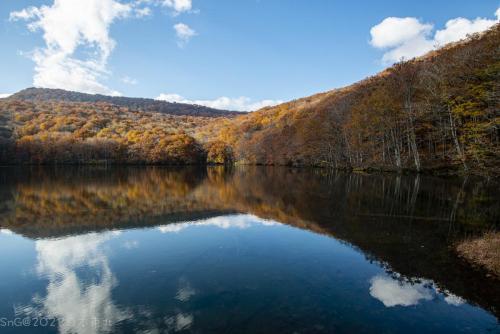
(392, 292)
(80, 285)
(400, 292)
(225, 222)
(80, 281)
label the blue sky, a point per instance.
(237, 54)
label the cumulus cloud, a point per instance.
(184, 34)
(409, 37)
(226, 103)
(459, 28)
(394, 31)
(69, 26)
(3, 96)
(402, 37)
(178, 6)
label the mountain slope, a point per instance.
(44, 95)
(437, 111)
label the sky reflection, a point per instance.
(242, 222)
(78, 294)
(397, 291)
(221, 273)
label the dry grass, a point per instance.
(483, 251)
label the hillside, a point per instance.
(55, 132)
(439, 112)
(45, 95)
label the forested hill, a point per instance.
(440, 111)
(437, 112)
(44, 95)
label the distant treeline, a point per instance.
(440, 111)
(132, 103)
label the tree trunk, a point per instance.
(455, 139)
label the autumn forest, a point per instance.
(439, 112)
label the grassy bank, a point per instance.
(483, 251)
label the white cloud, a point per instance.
(67, 27)
(226, 103)
(392, 292)
(25, 14)
(178, 6)
(184, 34)
(142, 12)
(3, 96)
(6, 231)
(408, 50)
(394, 31)
(129, 81)
(409, 37)
(459, 28)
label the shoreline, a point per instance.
(438, 171)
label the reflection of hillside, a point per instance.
(58, 201)
(62, 202)
(323, 202)
(406, 222)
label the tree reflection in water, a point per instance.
(405, 222)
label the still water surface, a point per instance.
(248, 250)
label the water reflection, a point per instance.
(85, 295)
(403, 224)
(5, 231)
(131, 244)
(80, 282)
(223, 222)
(396, 290)
(392, 292)
(80, 286)
(78, 294)
(451, 299)
(185, 291)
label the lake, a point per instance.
(242, 250)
